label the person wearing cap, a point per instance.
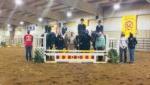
(81, 27)
(28, 40)
(99, 27)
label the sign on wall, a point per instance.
(129, 24)
(86, 22)
(31, 27)
(71, 23)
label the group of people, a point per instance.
(82, 41)
(67, 40)
(127, 44)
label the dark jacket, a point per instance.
(76, 42)
(50, 40)
(60, 44)
(132, 42)
(48, 29)
(81, 28)
(84, 42)
(64, 29)
(99, 28)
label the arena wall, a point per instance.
(112, 19)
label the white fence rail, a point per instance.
(15, 41)
(143, 44)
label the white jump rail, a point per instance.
(76, 56)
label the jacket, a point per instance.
(132, 42)
(100, 41)
(99, 28)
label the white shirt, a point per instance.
(123, 42)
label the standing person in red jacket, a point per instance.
(28, 39)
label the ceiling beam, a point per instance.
(51, 14)
(81, 5)
(3, 19)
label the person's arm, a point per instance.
(120, 43)
(102, 28)
(97, 28)
(84, 26)
(128, 40)
(32, 38)
(24, 38)
(78, 27)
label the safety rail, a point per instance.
(143, 44)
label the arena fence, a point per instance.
(18, 41)
(75, 55)
(143, 44)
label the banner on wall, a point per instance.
(31, 27)
(71, 23)
(86, 22)
(129, 24)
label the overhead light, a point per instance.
(148, 1)
(40, 19)
(116, 6)
(18, 2)
(21, 23)
(8, 25)
(69, 14)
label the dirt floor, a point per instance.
(15, 71)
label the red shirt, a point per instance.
(28, 39)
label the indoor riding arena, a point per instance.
(74, 42)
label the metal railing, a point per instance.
(143, 44)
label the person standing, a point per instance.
(81, 27)
(72, 39)
(50, 39)
(131, 45)
(93, 39)
(99, 27)
(67, 40)
(28, 40)
(77, 42)
(100, 43)
(64, 29)
(123, 48)
(60, 43)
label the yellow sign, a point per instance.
(86, 22)
(71, 23)
(129, 25)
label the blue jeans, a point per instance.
(123, 55)
(28, 53)
(131, 54)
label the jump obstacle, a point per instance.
(71, 56)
